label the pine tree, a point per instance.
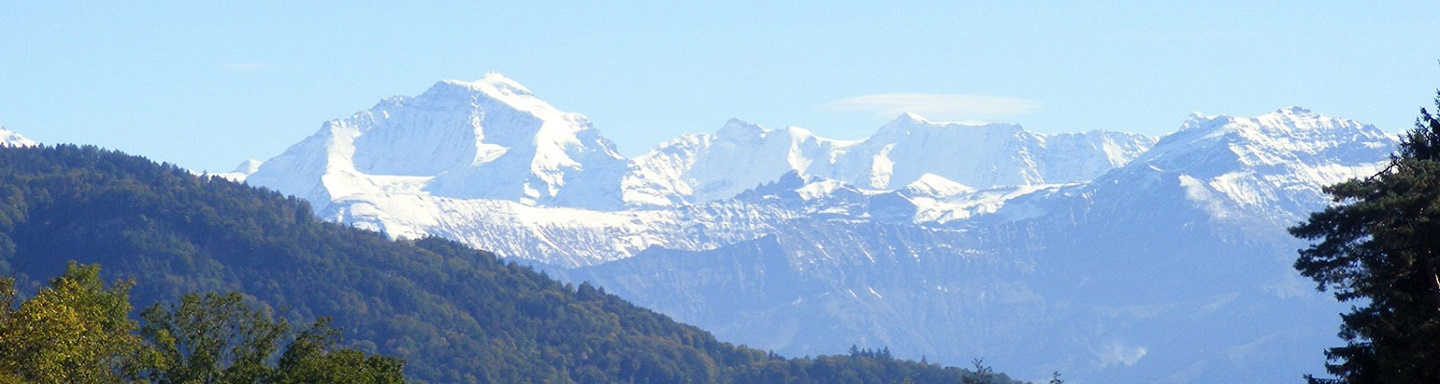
(1379, 248)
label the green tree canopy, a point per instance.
(75, 331)
(78, 331)
(222, 338)
(1378, 246)
(314, 358)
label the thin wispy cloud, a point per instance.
(247, 67)
(941, 106)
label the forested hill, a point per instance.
(454, 313)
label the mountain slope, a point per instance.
(456, 314)
(489, 164)
(1269, 167)
(488, 139)
(1145, 255)
(1142, 275)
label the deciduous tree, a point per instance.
(74, 331)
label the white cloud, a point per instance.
(1118, 353)
(246, 67)
(939, 106)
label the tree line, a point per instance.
(452, 313)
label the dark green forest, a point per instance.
(452, 313)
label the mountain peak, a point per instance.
(1292, 138)
(738, 129)
(908, 117)
(489, 139)
(493, 84)
(248, 166)
(12, 138)
(1200, 121)
(910, 123)
(1295, 111)
(901, 125)
(493, 87)
(1287, 118)
(932, 185)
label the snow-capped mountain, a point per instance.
(242, 171)
(488, 139)
(12, 138)
(982, 156)
(1108, 256)
(707, 167)
(491, 164)
(1172, 268)
(697, 168)
(1269, 167)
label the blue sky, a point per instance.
(207, 85)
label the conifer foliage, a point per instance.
(1378, 247)
(453, 314)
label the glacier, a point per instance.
(1108, 256)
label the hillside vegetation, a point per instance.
(455, 314)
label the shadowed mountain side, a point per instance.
(1096, 304)
(456, 314)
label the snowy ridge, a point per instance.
(1174, 267)
(421, 165)
(699, 168)
(1269, 167)
(557, 235)
(489, 139)
(740, 156)
(931, 185)
(982, 156)
(413, 165)
(989, 237)
(14, 139)
(242, 171)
